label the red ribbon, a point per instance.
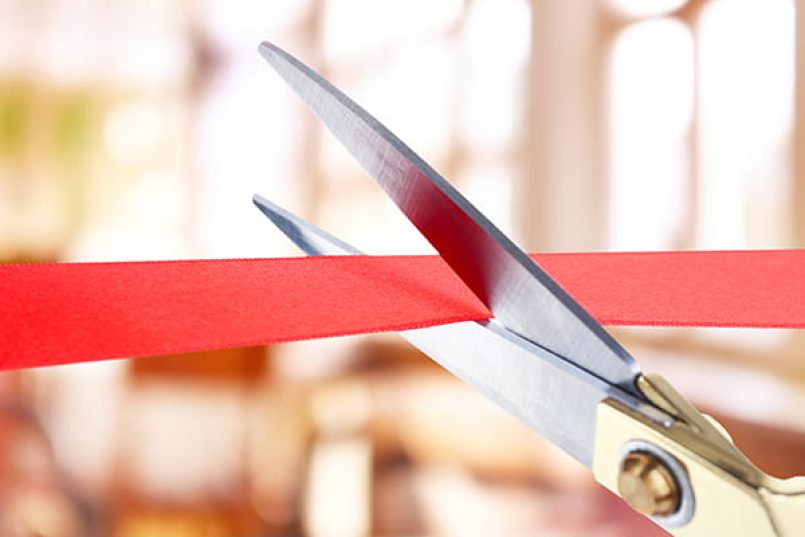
(65, 313)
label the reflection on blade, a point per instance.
(520, 295)
(543, 391)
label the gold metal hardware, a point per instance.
(728, 495)
(648, 485)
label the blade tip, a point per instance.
(258, 201)
(268, 50)
(265, 206)
(274, 213)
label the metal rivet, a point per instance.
(648, 485)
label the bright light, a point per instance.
(497, 37)
(746, 88)
(651, 108)
(354, 29)
(339, 489)
(647, 8)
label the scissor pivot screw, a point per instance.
(648, 485)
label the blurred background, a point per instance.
(139, 129)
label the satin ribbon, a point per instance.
(65, 313)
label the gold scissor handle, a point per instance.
(689, 477)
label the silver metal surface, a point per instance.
(552, 396)
(521, 296)
(310, 239)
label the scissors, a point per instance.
(542, 357)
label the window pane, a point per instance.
(651, 105)
(746, 87)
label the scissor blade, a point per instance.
(520, 295)
(309, 238)
(545, 392)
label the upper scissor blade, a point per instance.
(520, 294)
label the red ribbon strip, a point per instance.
(65, 313)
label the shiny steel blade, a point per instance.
(310, 239)
(520, 295)
(545, 392)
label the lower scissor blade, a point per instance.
(552, 396)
